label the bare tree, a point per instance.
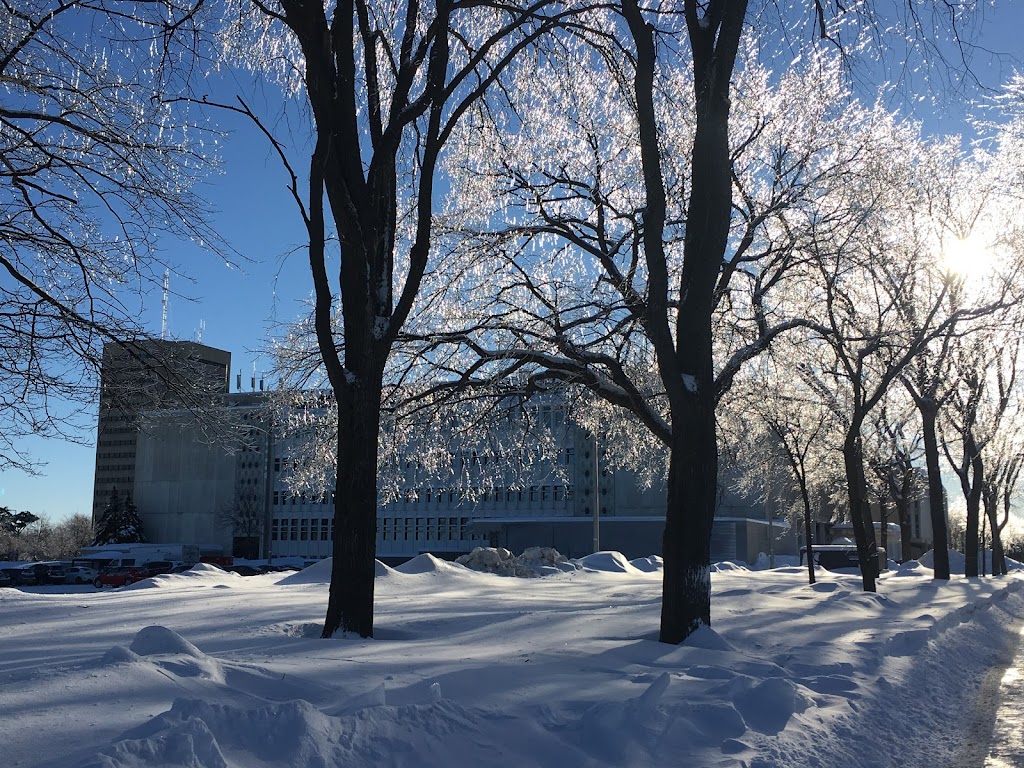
(986, 372)
(574, 300)
(385, 87)
(95, 167)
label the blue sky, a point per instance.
(239, 303)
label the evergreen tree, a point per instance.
(14, 523)
(119, 523)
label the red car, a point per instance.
(118, 577)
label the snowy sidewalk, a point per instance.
(1007, 750)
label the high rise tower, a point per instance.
(144, 376)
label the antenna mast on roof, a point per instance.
(163, 317)
(202, 327)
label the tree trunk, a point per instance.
(998, 556)
(808, 533)
(686, 587)
(883, 523)
(936, 495)
(350, 602)
(972, 494)
(860, 515)
(685, 357)
(903, 518)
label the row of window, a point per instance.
(426, 529)
(112, 481)
(527, 456)
(116, 455)
(535, 493)
(302, 529)
(388, 529)
(283, 497)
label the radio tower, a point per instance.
(163, 316)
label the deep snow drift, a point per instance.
(211, 670)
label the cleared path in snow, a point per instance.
(1007, 750)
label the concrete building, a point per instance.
(213, 472)
(228, 487)
(144, 376)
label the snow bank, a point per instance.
(534, 561)
(648, 564)
(958, 561)
(320, 573)
(544, 673)
(427, 563)
(609, 562)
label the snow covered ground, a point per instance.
(208, 669)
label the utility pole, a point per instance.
(597, 497)
(163, 316)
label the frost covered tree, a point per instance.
(893, 450)
(96, 166)
(889, 298)
(386, 84)
(772, 419)
(986, 370)
(573, 238)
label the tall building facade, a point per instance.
(143, 376)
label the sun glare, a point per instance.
(966, 256)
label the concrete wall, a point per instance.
(182, 480)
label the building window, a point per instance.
(275, 529)
(453, 529)
(314, 529)
(295, 529)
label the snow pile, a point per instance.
(764, 561)
(320, 573)
(729, 565)
(609, 562)
(199, 575)
(535, 561)
(958, 561)
(426, 564)
(648, 564)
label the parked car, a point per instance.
(181, 568)
(274, 568)
(22, 576)
(47, 573)
(5, 580)
(120, 576)
(156, 567)
(80, 574)
(244, 570)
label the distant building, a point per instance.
(196, 485)
(142, 376)
(205, 467)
